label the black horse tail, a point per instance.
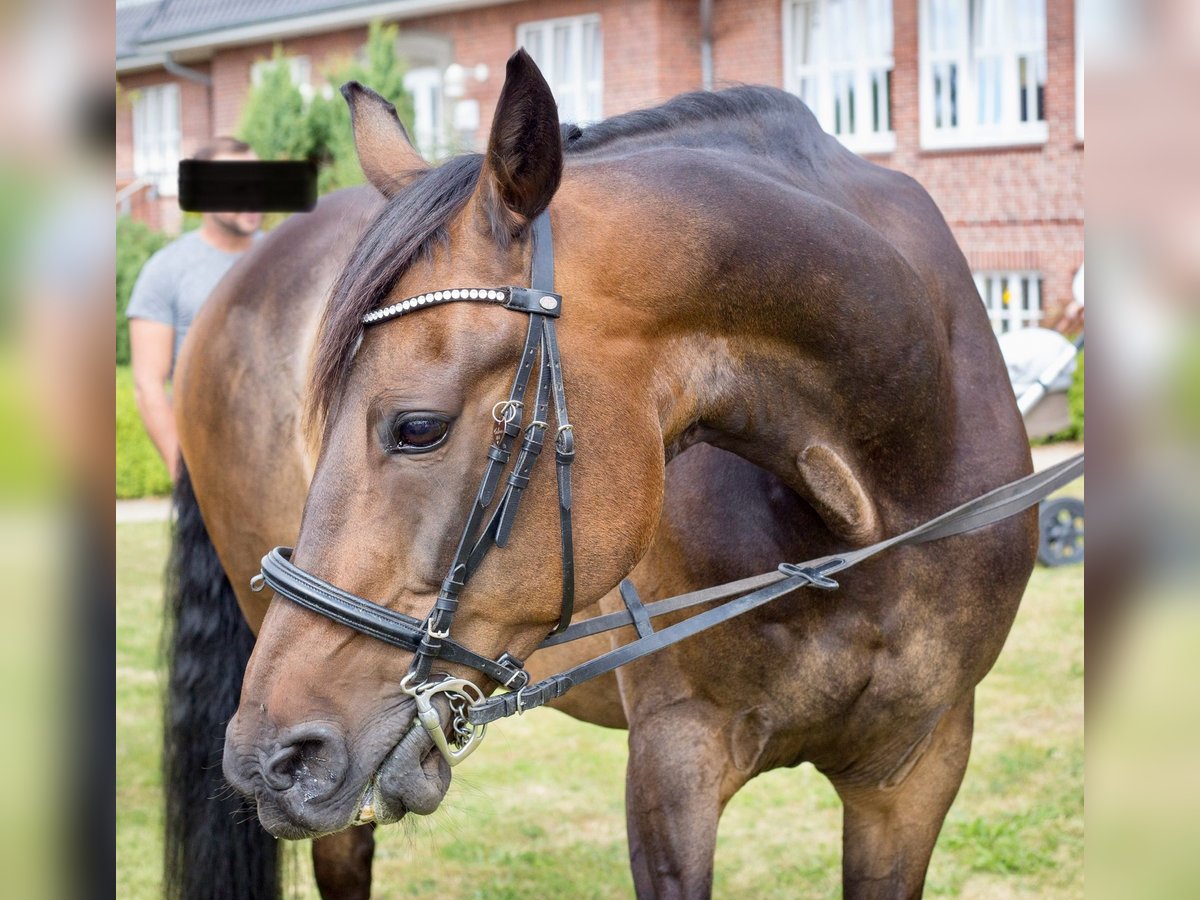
(215, 846)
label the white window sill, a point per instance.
(164, 185)
(948, 139)
(866, 145)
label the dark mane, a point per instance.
(697, 110)
(409, 226)
(415, 220)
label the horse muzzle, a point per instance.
(309, 779)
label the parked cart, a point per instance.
(1041, 366)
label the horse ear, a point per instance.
(524, 160)
(385, 153)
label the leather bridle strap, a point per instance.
(474, 544)
(293, 583)
(989, 509)
(430, 640)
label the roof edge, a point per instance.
(274, 29)
(138, 61)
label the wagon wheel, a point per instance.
(1060, 537)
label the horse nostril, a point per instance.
(314, 755)
(281, 770)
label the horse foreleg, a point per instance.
(891, 826)
(677, 784)
(342, 863)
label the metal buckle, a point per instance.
(461, 695)
(505, 411)
(814, 575)
(521, 700)
(436, 635)
(519, 677)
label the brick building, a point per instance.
(979, 100)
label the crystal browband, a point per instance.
(522, 299)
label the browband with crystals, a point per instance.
(520, 299)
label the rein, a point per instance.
(429, 640)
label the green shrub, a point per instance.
(140, 470)
(1074, 430)
(1075, 399)
(278, 123)
(136, 243)
(274, 119)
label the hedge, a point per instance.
(140, 470)
(136, 243)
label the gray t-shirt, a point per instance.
(176, 281)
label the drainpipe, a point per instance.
(706, 45)
(184, 72)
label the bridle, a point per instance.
(429, 640)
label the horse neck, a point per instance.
(837, 380)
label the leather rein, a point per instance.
(429, 640)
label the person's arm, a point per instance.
(151, 345)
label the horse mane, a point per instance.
(414, 221)
(686, 112)
(411, 224)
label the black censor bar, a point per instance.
(247, 186)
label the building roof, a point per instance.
(182, 18)
(130, 19)
(151, 27)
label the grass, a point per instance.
(1016, 829)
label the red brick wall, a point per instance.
(195, 116)
(1015, 208)
(747, 42)
(231, 68)
(651, 47)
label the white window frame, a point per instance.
(831, 81)
(581, 96)
(1024, 310)
(1019, 59)
(157, 135)
(425, 85)
(299, 68)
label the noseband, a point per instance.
(430, 640)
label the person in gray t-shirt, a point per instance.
(169, 291)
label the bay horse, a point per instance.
(733, 282)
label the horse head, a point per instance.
(403, 412)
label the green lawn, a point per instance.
(1016, 829)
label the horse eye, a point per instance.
(417, 432)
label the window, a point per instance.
(425, 86)
(838, 59)
(156, 135)
(299, 67)
(1013, 299)
(569, 53)
(983, 72)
